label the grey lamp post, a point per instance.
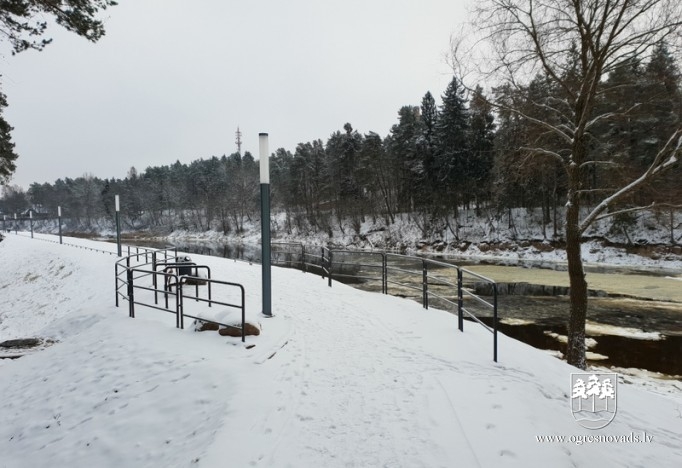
(4, 223)
(15, 224)
(30, 217)
(265, 222)
(59, 217)
(118, 224)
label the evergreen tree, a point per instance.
(402, 146)
(23, 22)
(342, 150)
(427, 147)
(7, 154)
(453, 154)
(481, 143)
(379, 179)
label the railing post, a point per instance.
(156, 297)
(386, 273)
(425, 285)
(243, 314)
(305, 266)
(460, 300)
(210, 298)
(116, 282)
(166, 288)
(495, 322)
(131, 293)
(179, 319)
(322, 262)
(331, 263)
(196, 284)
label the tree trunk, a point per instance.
(575, 353)
(672, 226)
(554, 208)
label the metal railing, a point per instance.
(430, 282)
(130, 273)
(381, 271)
(132, 260)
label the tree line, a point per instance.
(466, 153)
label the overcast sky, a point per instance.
(172, 80)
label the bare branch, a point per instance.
(627, 210)
(597, 190)
(666, 157)
(598, 163)
(544, 152)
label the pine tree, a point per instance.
(7, 154)
(402, 146)
(481, 143)
(427, 147)
(23, 24)
(453, 152)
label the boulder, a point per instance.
(206, 326)
(21, 343)
(232, 330)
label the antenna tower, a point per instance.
(238, 141)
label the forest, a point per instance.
(467, 153)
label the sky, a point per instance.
(345, 378)
(172, 80)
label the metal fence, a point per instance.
(137, 282)
(430, 282)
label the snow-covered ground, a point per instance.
(338, 378)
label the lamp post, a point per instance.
(118, 224)
(265, 222)
(4, 223)
(15, 224)
(30, 217)
(59, 217)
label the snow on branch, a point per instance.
(543, 152)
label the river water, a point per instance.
(634, 316)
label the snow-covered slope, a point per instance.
(338, 377)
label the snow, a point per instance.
(338, 378)
(596, 329)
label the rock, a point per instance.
(249, 329)
(206, 326)
(21, 343)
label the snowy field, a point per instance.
(338, 378)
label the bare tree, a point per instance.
(574, 44)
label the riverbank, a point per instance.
(648, 241)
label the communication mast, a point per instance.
(238, 141)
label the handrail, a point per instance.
(324, 264)
(429, 284)
(241, 306)
(134, 272)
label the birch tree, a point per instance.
(575, 44)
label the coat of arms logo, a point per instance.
(593, 398)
